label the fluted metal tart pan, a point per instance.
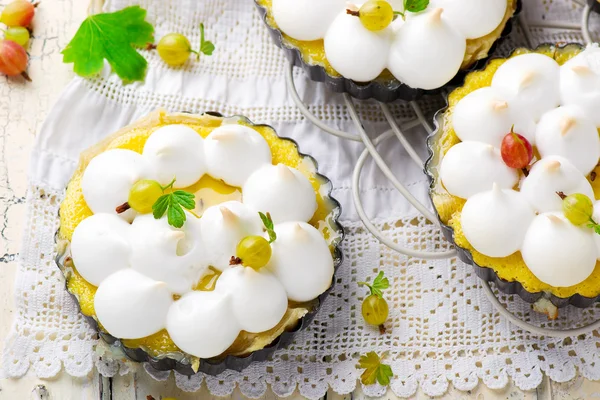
(384, 92)
(181, 362)
(483, 272)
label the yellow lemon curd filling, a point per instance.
(313, 52)
(208, 191)
(511, 268)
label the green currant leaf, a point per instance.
(185, 199)
(384, 374)
(173, 204)
(593, 225)
(160, 206)
(206, 46)
(268, 223)
(415, 5)
(379, 284)
(175, 214)
(111, 36)
(375, 370)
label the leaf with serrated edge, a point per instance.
(384, 374)
(111, 36)
(176, 215)
(375, 370)
(186, 199)
(160, 206)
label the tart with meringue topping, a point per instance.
(399, 52)
(197, 237)
(514, 172)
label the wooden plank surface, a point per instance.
(23, 107)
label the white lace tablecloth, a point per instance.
(441, 328)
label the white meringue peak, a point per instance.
(566, 131)
(485, 116)
(472, 167)
(347, 37)
(171, 255)
(473, 18)
(202, 323)
(176, 151)
(306, 19)
(301, 260)
(258, 299)
(223, 226)
(282, 191)
(108, 178)
(530, 83)
(495, 222)
(100, 246)
(427, 52)
(243, 149)
(550, 175)
(580, 82)
(129, 305)
(548, 250)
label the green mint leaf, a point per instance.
(185, 199)
(111, 36)
(268, 223)
(175, 214)
(160, 206)
(415, 5)
(375, 370)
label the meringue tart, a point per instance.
(409, 53)
(513, 172)
(198, 237)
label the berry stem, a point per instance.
(382, 329)
(525, 172)
(150, 46)
(26, 76)
(235, 260)
(562, 195)
(352, 12)
(400, 13)
(367, 285)
(169, 186)
(122, 208)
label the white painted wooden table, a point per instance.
(23, 107)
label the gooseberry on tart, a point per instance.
(197, 237)
(513, 170)
(386, 49)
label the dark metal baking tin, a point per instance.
(215, 366)
(486, 273)
(386, 93)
